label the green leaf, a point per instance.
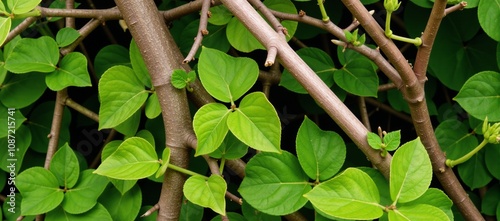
(491, 200)
(138, 65)
(83, 196)
(359, 202)
(110, 56)
(130, 126)
(5, 23)
(488, 13)
(179, 78)
(11, 214)
(16, 116)
(381, 182)
(283, 185)
(122, 207)
(226, 78)
(481, 90)
(66, 36)
(434, 197)
(454, 138)
(165, 158)
(72, 71)
(256, 123)
(321, 153)
(474, 172)
(207, 193)
(230, 149)
(40, 191)
(210, 127)
(135, 158)
(231, 216)
(121, 185)
(22, 6)
(319, 61)
(411, 172)
(491, 159)
(190, 211)
(392, 140)
(417, 212)
(98, 212)
(18, 91)
(22, 143)
(374, 140)
(358, 77)
(64, 165)
(220, 15)
(121, 95)
(41, 54)
(235, 29)
(152, 108)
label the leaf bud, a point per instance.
(391, 5)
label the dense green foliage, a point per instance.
(297, 160)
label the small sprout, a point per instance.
(491, 132)
(353, 38)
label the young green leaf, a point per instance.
(284, 181)
(5, 23)
(411, 172)
(165, 158)
(417, 212)
(83, 196)
(152, 108)
(179, 79)
(121, 95)
(66, 36)
(359, 202)
(392, 140)
(64, 165)
(481, 90)
(226, 78)
(40, 191)
(358, 77)
(29, 55)
(98, 212)
(138, 64)
(321, 153)
(210, 127)
(135, 158)
(374, 140)
(207, 193)
(72, 71)
(22, 6)
(256, 123)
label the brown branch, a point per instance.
(162, 57)
(97, 159)
(202, 31)
(19, 28)
(364, 113)
(389, 109)
(84, 32)
(458, 7)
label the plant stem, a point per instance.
(324, 16)
(416, 41)
(185, 171)
(388, 31)
(452, 163)
(222, 164)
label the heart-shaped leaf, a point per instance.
(284, 183)
(226, 78)
(29, 55)
(207, 192)
(210, 127)
(321, 153)
(83, 196)
(411, 172)
(256, 123)
(121, 95)
(66, 36)
(64, 165)
(72, 71)
(481, 90)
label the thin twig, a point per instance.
(152, 210)
(458, 7)
(97, 158)
(389, 109)
(364, 113)
(84, 32)
(386, 87)
(19, 28)
(202, 31)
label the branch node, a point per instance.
(302, 13)
(150, 211)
